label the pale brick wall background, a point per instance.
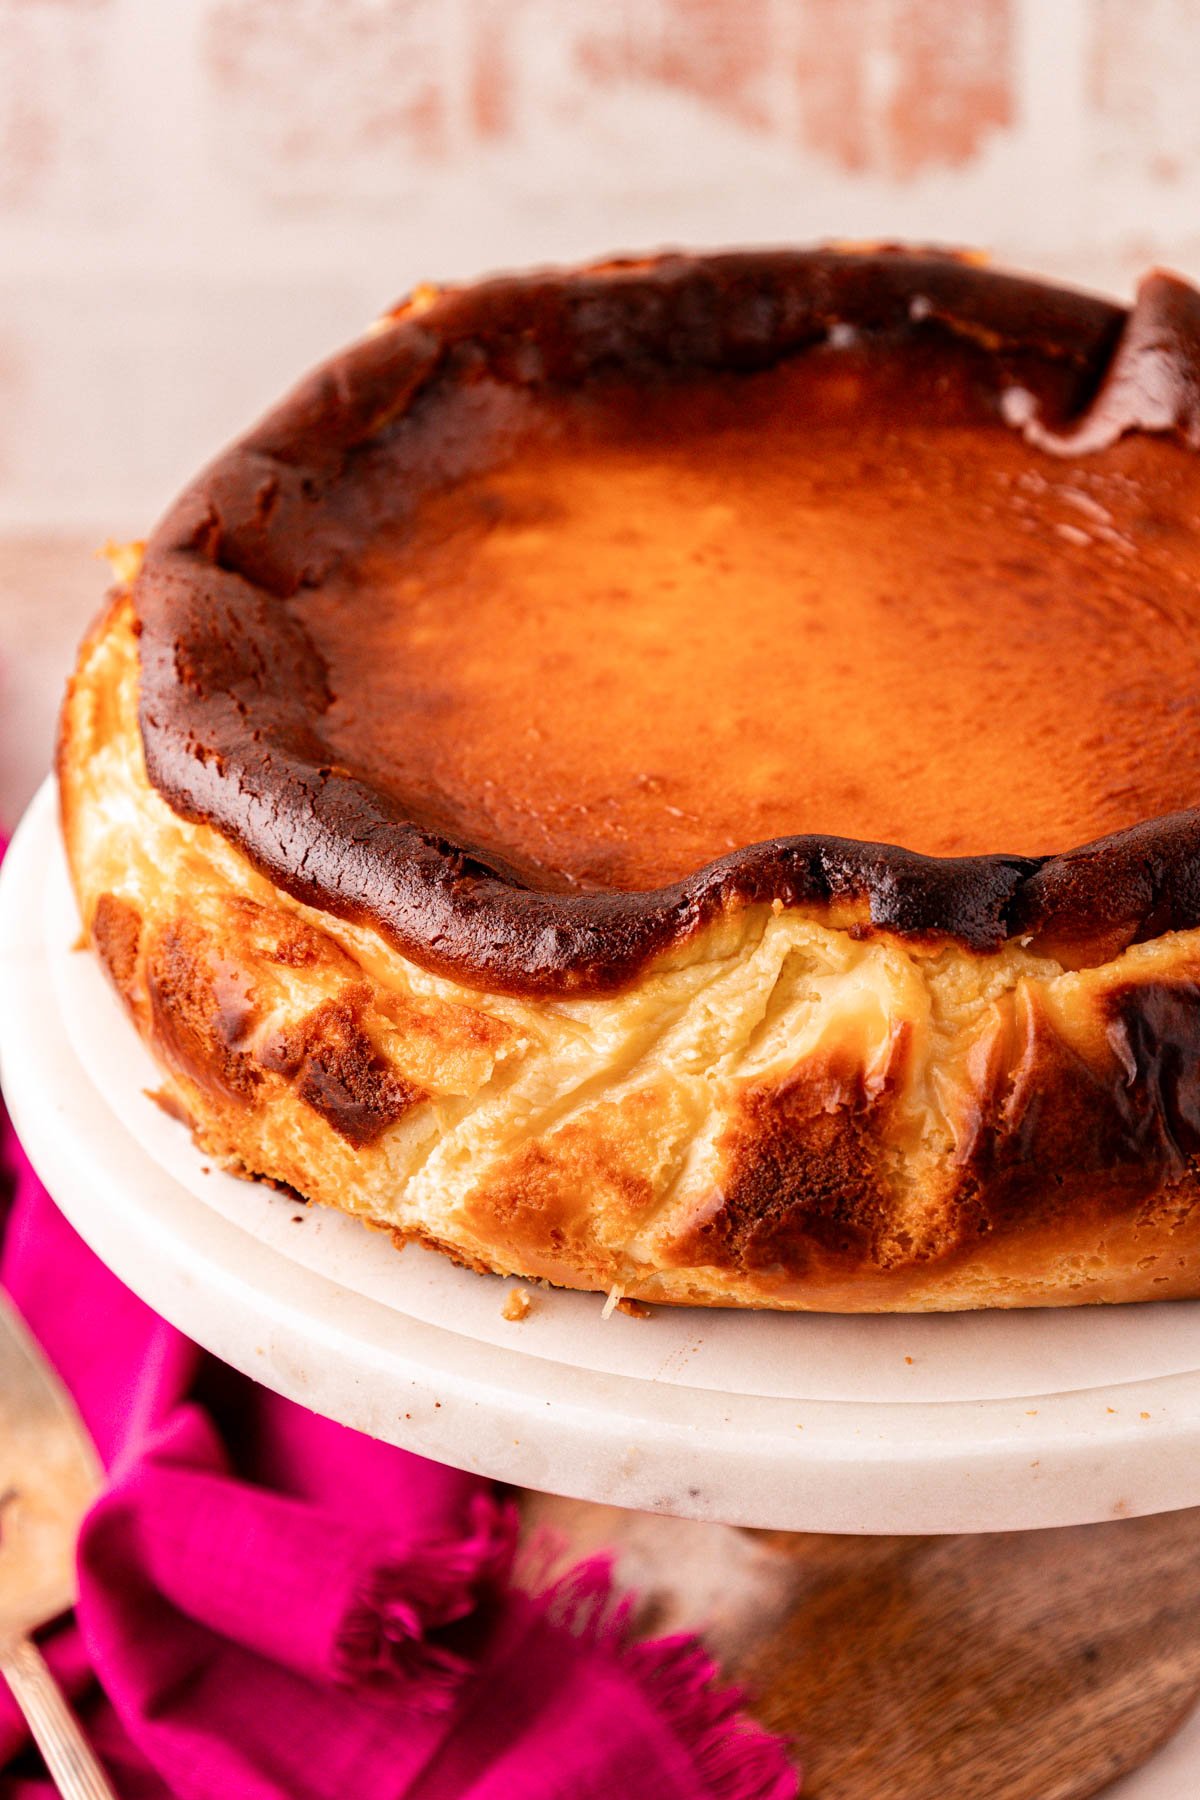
(200, 197)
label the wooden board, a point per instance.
(1038, 1665)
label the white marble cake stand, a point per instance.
(977, 1422)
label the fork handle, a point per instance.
(56, 1731)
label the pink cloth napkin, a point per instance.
(273, 1607)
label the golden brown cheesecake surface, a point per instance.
(665, 621)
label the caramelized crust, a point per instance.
(779, 1113)
(408, 712)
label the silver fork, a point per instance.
(49, 1476)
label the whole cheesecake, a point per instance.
(681, 778)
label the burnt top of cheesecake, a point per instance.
(657, 622)
(566, 610)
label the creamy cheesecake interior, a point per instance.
(624, 634)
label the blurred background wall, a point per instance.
(200, 197)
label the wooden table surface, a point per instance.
(1032, 1665)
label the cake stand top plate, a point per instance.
(970, 1422)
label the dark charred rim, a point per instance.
(231, 689)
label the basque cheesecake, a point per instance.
(681, 778)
